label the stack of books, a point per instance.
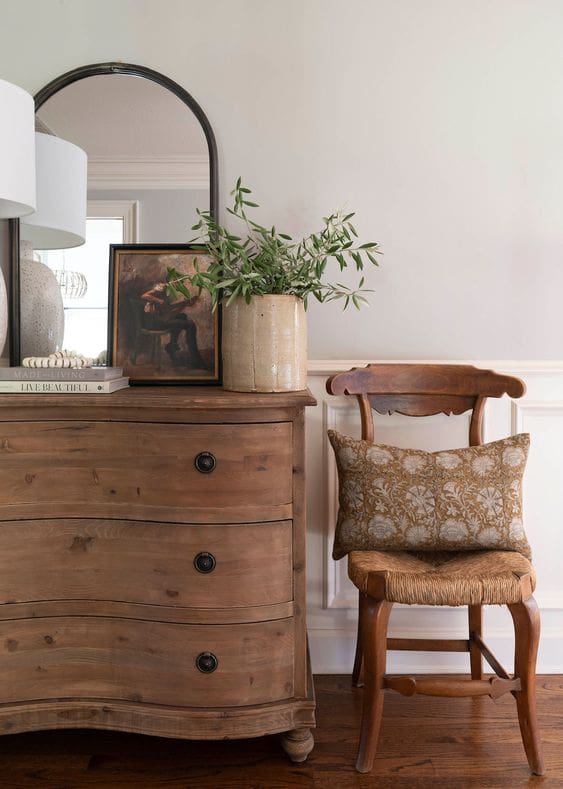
(61, 380)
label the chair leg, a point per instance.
(375, 619)
(357, 674)
(475, 626)
(527, 633)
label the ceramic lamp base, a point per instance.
(42, 312)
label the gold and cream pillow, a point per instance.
(408, 499)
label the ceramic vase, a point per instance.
(265, 344)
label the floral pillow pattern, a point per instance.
(408, 499)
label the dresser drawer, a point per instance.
(151, 563)
(147, 662)
(146, 471)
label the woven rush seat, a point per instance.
(468, 578)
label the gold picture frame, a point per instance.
(159, 338)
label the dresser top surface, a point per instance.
(204, 398)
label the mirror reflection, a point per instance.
(148, 171)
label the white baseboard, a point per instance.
(332, 652)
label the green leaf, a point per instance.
(258, 260)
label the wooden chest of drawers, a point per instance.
(152, 564)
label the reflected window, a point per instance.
(83, 273)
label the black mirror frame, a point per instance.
(40, 98)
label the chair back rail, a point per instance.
(423, 390)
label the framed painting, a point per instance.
(156, 337)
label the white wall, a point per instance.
(165, 215)
(440, 122)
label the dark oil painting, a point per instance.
(157, 337)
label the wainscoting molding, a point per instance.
(333, 599)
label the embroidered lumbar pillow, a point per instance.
(408, 499)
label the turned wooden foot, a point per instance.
(297, 743)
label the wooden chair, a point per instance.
(504, 578)
(152, 340)
(147, 341)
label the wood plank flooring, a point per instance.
(425, 742)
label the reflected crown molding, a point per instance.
(148, 172)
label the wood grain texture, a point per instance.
(145, 562)
(165, 613)
(147, 398)
(423, 390)
(139, 470)
(375, 618)
(475, 622)
(298, 744)
(193, 723)
(429, 644)
(358, 669)
(526, 618)
(299, 552)
(462, 380)
(411, 405)
(429, 742)
(103, 614)
(147, 662)
(452, 687)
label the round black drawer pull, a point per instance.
(205, 562)
(206, 662)
(205, 462)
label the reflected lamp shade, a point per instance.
(60, 219)
(17, 152)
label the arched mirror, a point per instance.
(152, 162)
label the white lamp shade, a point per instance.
(60, 219)
(17, 152)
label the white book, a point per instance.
(60, 373)
(63, 387)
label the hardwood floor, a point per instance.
(425, 742)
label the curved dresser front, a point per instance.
(152, 564)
